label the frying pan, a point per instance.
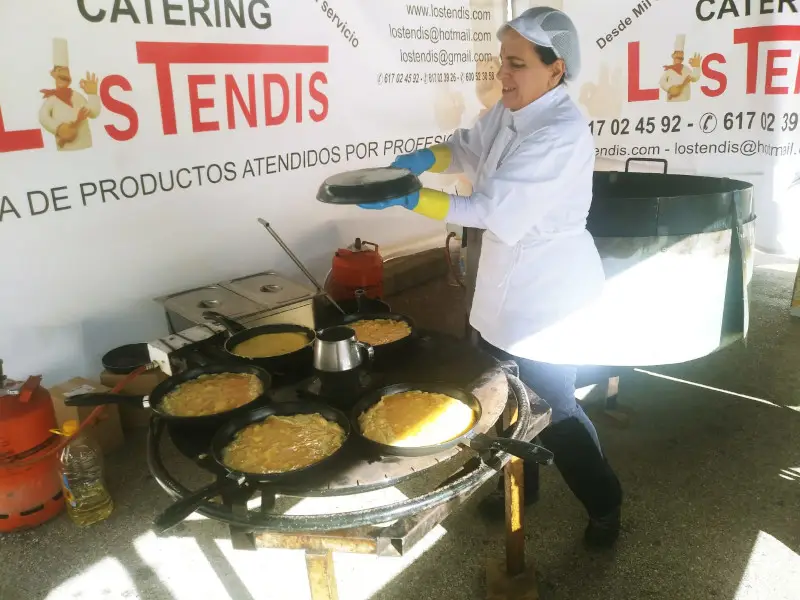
(234, 478)
(364, 186)
(239, 333)
(156, 397)
(382, 351)
(126, 359)
(477, 441)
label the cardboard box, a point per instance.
(107, 430)
(795, 310)
(133, 417)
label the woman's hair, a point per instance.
(548, 57)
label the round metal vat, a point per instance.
(677, 252)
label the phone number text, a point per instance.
(423, 78)
(707, 123)
(746, 121)
(665, 124)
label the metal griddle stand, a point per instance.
(505, 401)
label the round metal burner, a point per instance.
(357, 471)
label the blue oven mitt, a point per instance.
(417, 162)
(410, 202)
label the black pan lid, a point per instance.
(364, 186)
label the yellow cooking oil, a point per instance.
(82, 478)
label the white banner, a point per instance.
(711, 86)
(141, 139)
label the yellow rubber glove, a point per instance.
(433, 204)
(443, 157)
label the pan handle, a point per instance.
(524, 450)
(101, 398)
(232, 326)
(368, 349)
(180, 510)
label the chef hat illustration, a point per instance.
(680, 42)
(60, 53)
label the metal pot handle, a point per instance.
(368, 349)
(655, 160)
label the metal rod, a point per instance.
(299, 264)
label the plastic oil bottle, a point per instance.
(82, 479)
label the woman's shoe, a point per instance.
(604, 531)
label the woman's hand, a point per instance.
(417, 162)
(410, 202)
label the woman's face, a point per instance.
(524, 76)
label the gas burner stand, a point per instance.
(505, 400)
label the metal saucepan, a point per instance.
(239, 333)
(156, 397)
(477, 441)
(336, 350)
(364, 186)
(234, 479)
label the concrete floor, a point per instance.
(712, 481)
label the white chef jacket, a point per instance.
(670, 78)
(54, 113)
(532, 171)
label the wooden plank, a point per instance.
(321, 577)
(515, 510)
(360, 540)
(501, 586)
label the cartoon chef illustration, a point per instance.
(64, 112)
(677, 78)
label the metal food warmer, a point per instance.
(252, 300)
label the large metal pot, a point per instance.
(678, 257)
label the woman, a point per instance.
(531, 158)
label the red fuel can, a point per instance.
(30, 494)
(358, 267)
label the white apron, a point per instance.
(534, 291)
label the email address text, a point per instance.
(444, 57)
(746, 148)
(435, 34)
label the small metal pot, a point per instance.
(336, 350)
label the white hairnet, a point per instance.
(551, 28)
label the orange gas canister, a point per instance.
(359, 267)
(30, 493)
